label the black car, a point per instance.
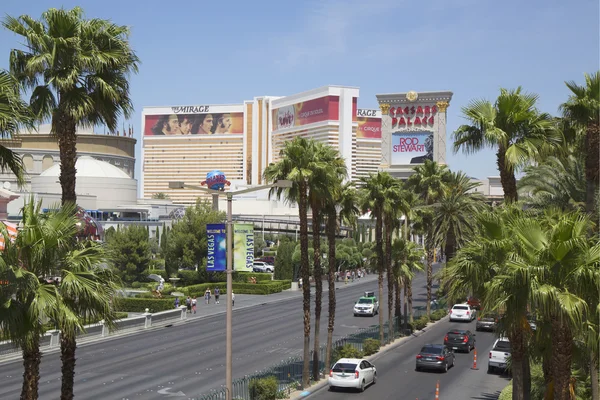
(459, 339)
(435, 356)
(486, 323)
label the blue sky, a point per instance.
(209, 52)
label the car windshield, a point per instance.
(431, 350)
(461, 307)
(344, 367)
(488, 319)
(365, 301)
(503, 345)
(456, 334)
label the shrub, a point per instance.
(421, 323)
(136, 285)
(346, 351)
(189, 277)
(134, 304)
(264, 388)
(261, 287)
(242, 277)
(506, 393)
(438, 314)
(371, 346)
(121, 315)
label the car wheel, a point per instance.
(417, 369)
(374, 378)
(446, 367)
(490, 369)
(332, 388)
(362, 386)
(453, 359)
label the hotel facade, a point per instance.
(184, 143)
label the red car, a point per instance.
(474, 303)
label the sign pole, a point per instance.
(215, 201)
(228, 345)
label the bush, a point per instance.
(121, 315)
(421, 323)
(264, 388)
(242, 277)
(506, 393)
(261, 287)
(136, 285)
(134, 304)
(371, 346)
(438, 314)
(189, 277)
(346, 351)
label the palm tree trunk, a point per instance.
(380, 267)
(317, 272)
(594, 375)
(405, 304)
(562, 357)
(305, 273)
(429, 278)
(32, 357)
(450, 247)
(68, 345)
(397, 300)
(331, 228)
(390, 278)
(410, 298)
(592, 159)
(507, 177)
(67, 145)
(517, 354)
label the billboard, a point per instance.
(307, 112)
(217, 247)
(369, 124)
(194, 124)
(243, 247)
(411, 147)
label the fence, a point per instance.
(100, 330)
(289, 372)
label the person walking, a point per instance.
(232, 299)
(207, 296)
(188, 304)
(217, 294)
(176, 302)
(194, 302)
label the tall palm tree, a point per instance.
(372, 199)
(514, 128)
(14, 113)
(343, 198)
(407, 262)
(454, 213)
(429, 182)
(297, 163)
(77, 72)
(582, 110)
(329, 169)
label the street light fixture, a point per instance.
(229, 272)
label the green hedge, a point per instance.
(242, 277)
(506, 393)
(264, 389)
(260, 287)
(371, 346)
(438, 314)
(133, 304)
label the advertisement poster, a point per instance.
(243, 247)
(194, 124)
(368, 128)
(307, 112)
(217, 247)
(411, 147)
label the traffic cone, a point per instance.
(437, 390)
(474, 367)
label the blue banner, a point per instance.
(217, 243)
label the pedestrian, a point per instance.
(232, 299)
(188, 304)
(194, 302)
(300, 283)
(176, 302)
(217, 294)
(207, 296)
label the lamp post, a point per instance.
(229, 271)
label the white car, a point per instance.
(462, 312)
(352, 373)
(261, 266)
(366, 306)
(498, 357)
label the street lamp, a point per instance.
(229, 272)
(215, 193)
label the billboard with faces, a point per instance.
(194, 124)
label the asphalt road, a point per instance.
(397, 378)
(188, 359)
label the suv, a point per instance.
(261, 266)
(367, 305)
(462, 312)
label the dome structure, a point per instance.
(110, 186)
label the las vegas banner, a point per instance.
(217, 247)
(243, 247)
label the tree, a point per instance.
(161, 196)
(130, 252)
(297, 165)
(429, 182)
(407, 261)
(284, 266)
(343, 198)
(14, 113)
(77, 72)
(372, 198)
(514, 128)
(582, 110)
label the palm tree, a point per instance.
(14, 113)
(582, 110)
(297, 163)
(77, 72)
(407, 261)
(343, 198)
(329, 169)
(373, 197)
(454, 213)
(514, 127)
(429, 182)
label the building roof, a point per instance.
(89, 167)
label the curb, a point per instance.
(383, 350)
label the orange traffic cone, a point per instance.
(437, 390)
(474, 359)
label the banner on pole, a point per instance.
(217, 243)
(243, 247)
